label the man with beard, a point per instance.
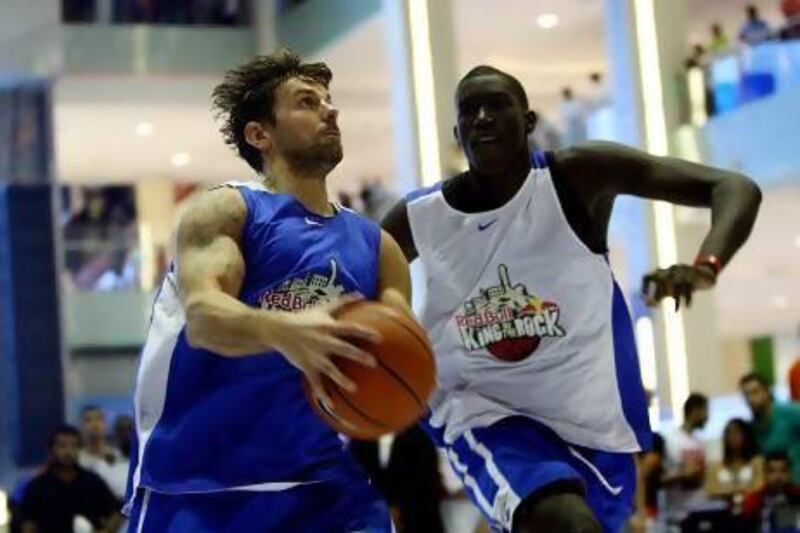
(226, 438)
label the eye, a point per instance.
(309, 102)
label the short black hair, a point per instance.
(778, 455)
(247, 93)
(62, 429)
(694, 401)
(89, 409)
(486, 70)
(753, 376)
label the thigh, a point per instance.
(610, 480)
(505, 463)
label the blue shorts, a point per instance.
(502, 464)
(335, 506)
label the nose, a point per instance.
(329, 113)
(483, 116)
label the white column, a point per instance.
(265, 14)
(647, 44)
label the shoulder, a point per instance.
(424, 192)
(92, 480)
(214, 212)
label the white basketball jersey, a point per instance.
(526, 320)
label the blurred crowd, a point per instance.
(82, 485)
(754, 486)
(100, 238)
(188, 12)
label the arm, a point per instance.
(396, 224)
(211, 268)
(394, 285)
(600, 171)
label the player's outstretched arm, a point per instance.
(603, 170)
(211, 269)
(396, 224)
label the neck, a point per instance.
(688, 427)
(306, 185)
(96, 446)
(499, 186)
(65, 473)
(764, 415)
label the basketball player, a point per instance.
(226, 438)
(541, 404)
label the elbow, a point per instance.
(197, 319)
(751, 191)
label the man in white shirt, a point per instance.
(100, 457)
(686, 458)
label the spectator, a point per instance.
(686, 458)
(650, 471)
(573, 121)
(57, 498)
(755, 30)
(794, 381)
(778, 491)
(791, 10)
(777, 426)
(123, 434)
(741, 469)
(697, 58)
(719, 41)
(598, 91)
(98, 455)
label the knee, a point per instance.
(562, 513)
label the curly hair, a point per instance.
(247, 93)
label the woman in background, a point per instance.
(741, 469)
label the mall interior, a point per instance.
(107, 134)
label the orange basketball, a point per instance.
(392, 395)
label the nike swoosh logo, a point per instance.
(313, 222)
(482, 227)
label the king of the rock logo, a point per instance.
(507, 321)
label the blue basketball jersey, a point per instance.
(208, 423)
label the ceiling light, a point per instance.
(547, 21)
(780, 301)
(797, 241)
(180, 159)
(144, 129)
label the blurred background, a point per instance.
(106, 131)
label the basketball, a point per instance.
(392, 395)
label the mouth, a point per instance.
(334, 132)
(486, 139)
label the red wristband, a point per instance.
(711, 261)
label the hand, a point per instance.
(638, 523)
(677, 281)
(311, 338)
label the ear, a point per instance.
(458, 139)
(257, 136)
(530, 122)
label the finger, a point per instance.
(343, 301)
(344, 349)
(337, 377)
(686, 290)
(648, 289)
(318, 388)
(675, 292)
(355, 331)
